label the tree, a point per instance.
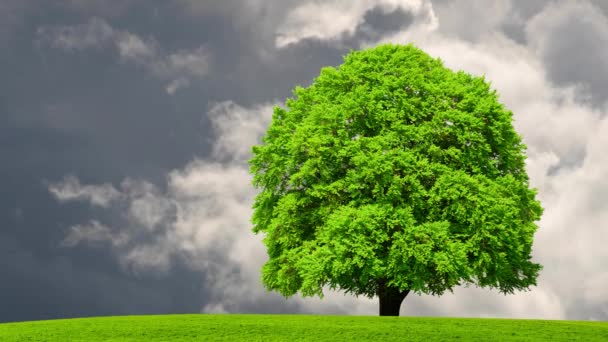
(392, 174)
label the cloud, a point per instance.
(131, 47)
(147, 205)
(193, 62)
(455, 17)
(204, 210)
(332, 19)
(377, 22)
(572, 40)
(93, 232)
(178, 68)
(176, 84)
(93, 34)
(70, 189)
(237, 129)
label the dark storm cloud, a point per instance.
(68, 285)
(87, 112)
(107, 94)
(378, 23)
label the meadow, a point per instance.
(253, 327)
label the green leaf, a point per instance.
(391, 167)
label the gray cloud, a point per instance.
(99, 7)
(96, 33)
(376, 21)
(472, 20)
(456, 17)
(572, 39)
(520, 12)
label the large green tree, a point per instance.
(393, 174)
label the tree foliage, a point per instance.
(393, 169)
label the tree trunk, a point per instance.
(390, 299)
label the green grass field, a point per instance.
(204, 327)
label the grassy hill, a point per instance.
(204, 327)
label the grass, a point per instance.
(233, 327)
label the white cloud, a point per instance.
(146, 259)
(132, 47)
(194, 62)
(94, 232)
(330, 19)
(176, 84)
(177, 68)
(181, 66)
(147, 206)
(70, 189)
(237, 128)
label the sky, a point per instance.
(125, 130)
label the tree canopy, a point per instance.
(392, 171)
